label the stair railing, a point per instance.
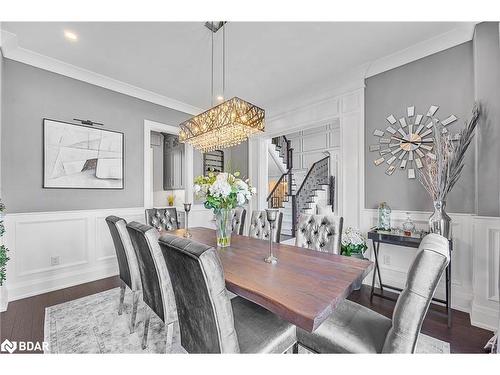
(318, 175)
(280, 192)
(284, 149)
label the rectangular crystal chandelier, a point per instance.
(225, 125)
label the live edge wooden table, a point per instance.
(303, 287)
(413, 241)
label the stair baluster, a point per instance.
(317, 176)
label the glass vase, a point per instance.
(408, 225)
(223, 218)
(384, 217)
(440, 222)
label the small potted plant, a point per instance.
(353, 243)
(171, 199)
(3, 264)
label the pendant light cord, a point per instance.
(224, 62)
(212, 82)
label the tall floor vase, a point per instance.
(440, 222)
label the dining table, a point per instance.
(303, 287)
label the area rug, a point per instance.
(92, 325)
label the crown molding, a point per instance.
(422, 49)
(12, 51)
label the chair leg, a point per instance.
(135, 296)
(170, 336)
(146, 330)
(122, 298)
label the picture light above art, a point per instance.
(81, 157)
(405, 141)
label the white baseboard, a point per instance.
(484, 317)
(25, 290)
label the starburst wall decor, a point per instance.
(405, 141)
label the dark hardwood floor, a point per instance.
(24, 319)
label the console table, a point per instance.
(412, 241)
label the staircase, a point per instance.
(285, 196)
(281, 151)
(313, 190)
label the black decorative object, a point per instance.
(213, 161)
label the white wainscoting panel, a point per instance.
(395, 260)
(80, 240)
(485, 305)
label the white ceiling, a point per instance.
(267, 63)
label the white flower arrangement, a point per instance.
(353, 242)
(223, 190)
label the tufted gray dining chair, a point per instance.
(238, 221)
(319, 232)
(209, 321)
(156, 286)
(127, 263)
(353, 328)
(162, 218)
(260, 227)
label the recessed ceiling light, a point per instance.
(220, 98)
(70, 35)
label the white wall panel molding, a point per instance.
(486, 263)
(346, 108)
(11, 50)
(395, 260)
(54, 250)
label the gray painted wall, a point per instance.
(29, 95)
(444, 79)
(487, 78)
(236, 159)
(1, 80)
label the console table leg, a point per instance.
(376, 269)
(448, 293)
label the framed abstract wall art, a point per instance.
(81, 157)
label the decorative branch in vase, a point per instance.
(223, 192)
(440, 173)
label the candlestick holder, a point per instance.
(271, 215)
(187, 208)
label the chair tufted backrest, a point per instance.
(157, 290)
(411, 307)
(260, 228)
(162, 218)
(238, 220)
(125, 254)
(205, 312)
(319, 232)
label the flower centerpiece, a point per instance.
(353, 243)
(223, 192)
